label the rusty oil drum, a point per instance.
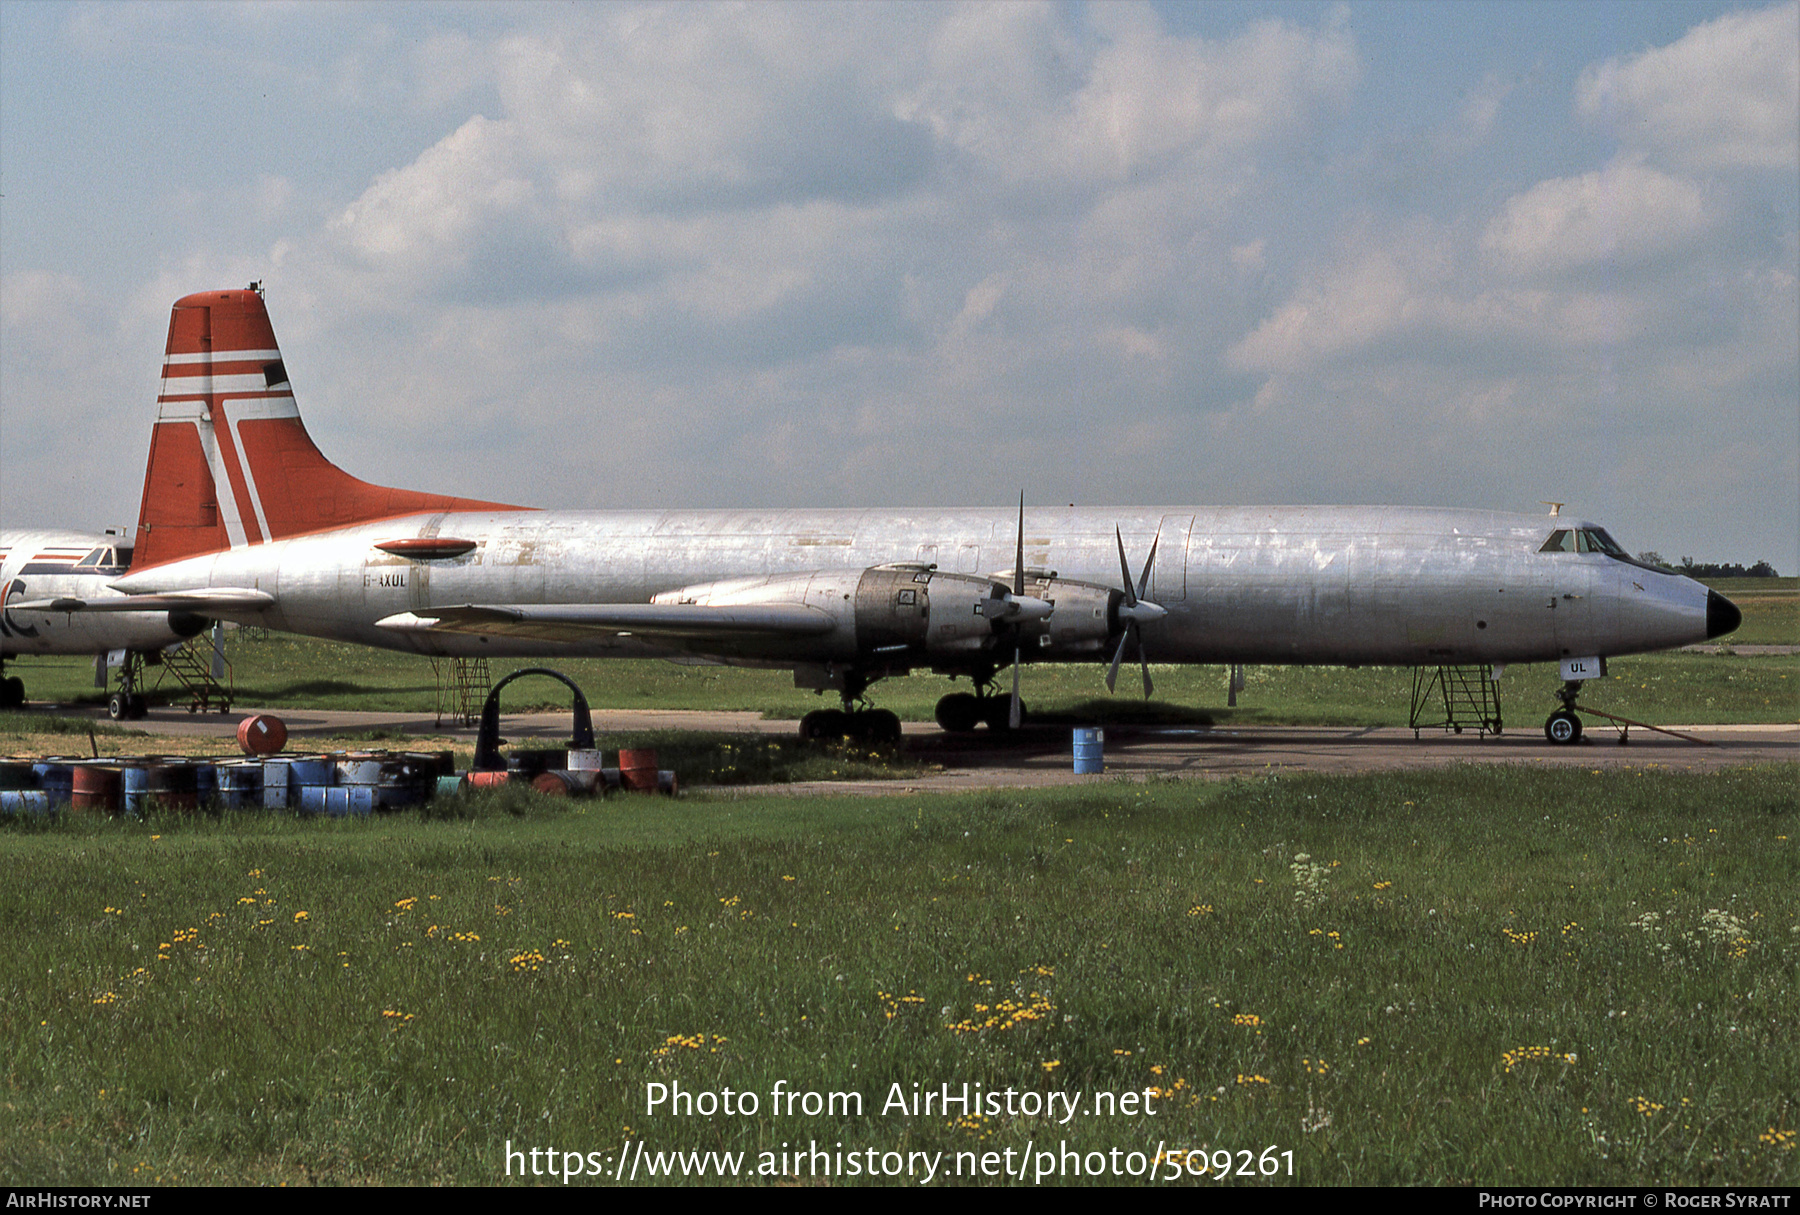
(637, 770)
(97, 787)
(262, 734)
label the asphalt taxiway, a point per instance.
(1041, 755)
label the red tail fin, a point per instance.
(230, 460)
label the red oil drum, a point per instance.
(261, 735)
(555, 784)
(637, 770)
(98, 787)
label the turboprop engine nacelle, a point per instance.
(906, 611)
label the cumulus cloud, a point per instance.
(1624, 213)
(741, 254)
(462, 191)
(752, 186)
(1011, 91)
(1348, 307)
(1724, 96)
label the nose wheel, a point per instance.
(1563, 728)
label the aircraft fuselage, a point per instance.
(1340, 585)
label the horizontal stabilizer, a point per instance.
(213, 601)
(577, 621)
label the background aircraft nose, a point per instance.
(1722, 615)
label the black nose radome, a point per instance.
(1722, 615)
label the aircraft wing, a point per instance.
(580, 621)
(213, 601)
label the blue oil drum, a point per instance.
(361, 767)
(241, 785)
(171, 783)
(314, 770)
(206, 782)
(406, 780)
(56, 776)
(337, 801)
(313, 779)
(1090, 750)
(24, 801)
(277, 783)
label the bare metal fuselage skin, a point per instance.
(1339, 585)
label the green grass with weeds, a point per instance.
(1481, 975)
(278, 672)
(1771, 608)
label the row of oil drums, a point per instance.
(576, 773)
(337, 783)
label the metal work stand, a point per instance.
(1470, 697)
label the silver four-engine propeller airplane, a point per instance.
(243, 519)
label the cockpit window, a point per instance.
(1591, 540)
(1604, 543)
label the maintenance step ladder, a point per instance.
(462, 688)
(1470, 697)
(199, 665)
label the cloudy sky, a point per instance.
(618, 255)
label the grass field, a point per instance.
(1482, 975)
(278, 672)
(1771, 608)
(1475, 976)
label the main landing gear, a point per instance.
(12, 690)
(850, 725)
(856, 721)
(128, 704)
(961, 712)
(1563, 728)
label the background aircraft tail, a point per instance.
(230, 460)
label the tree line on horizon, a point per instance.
(1708, 569)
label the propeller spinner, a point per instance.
(1134, 611)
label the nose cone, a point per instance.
(1722, 615)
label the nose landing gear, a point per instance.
(1562, 727)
